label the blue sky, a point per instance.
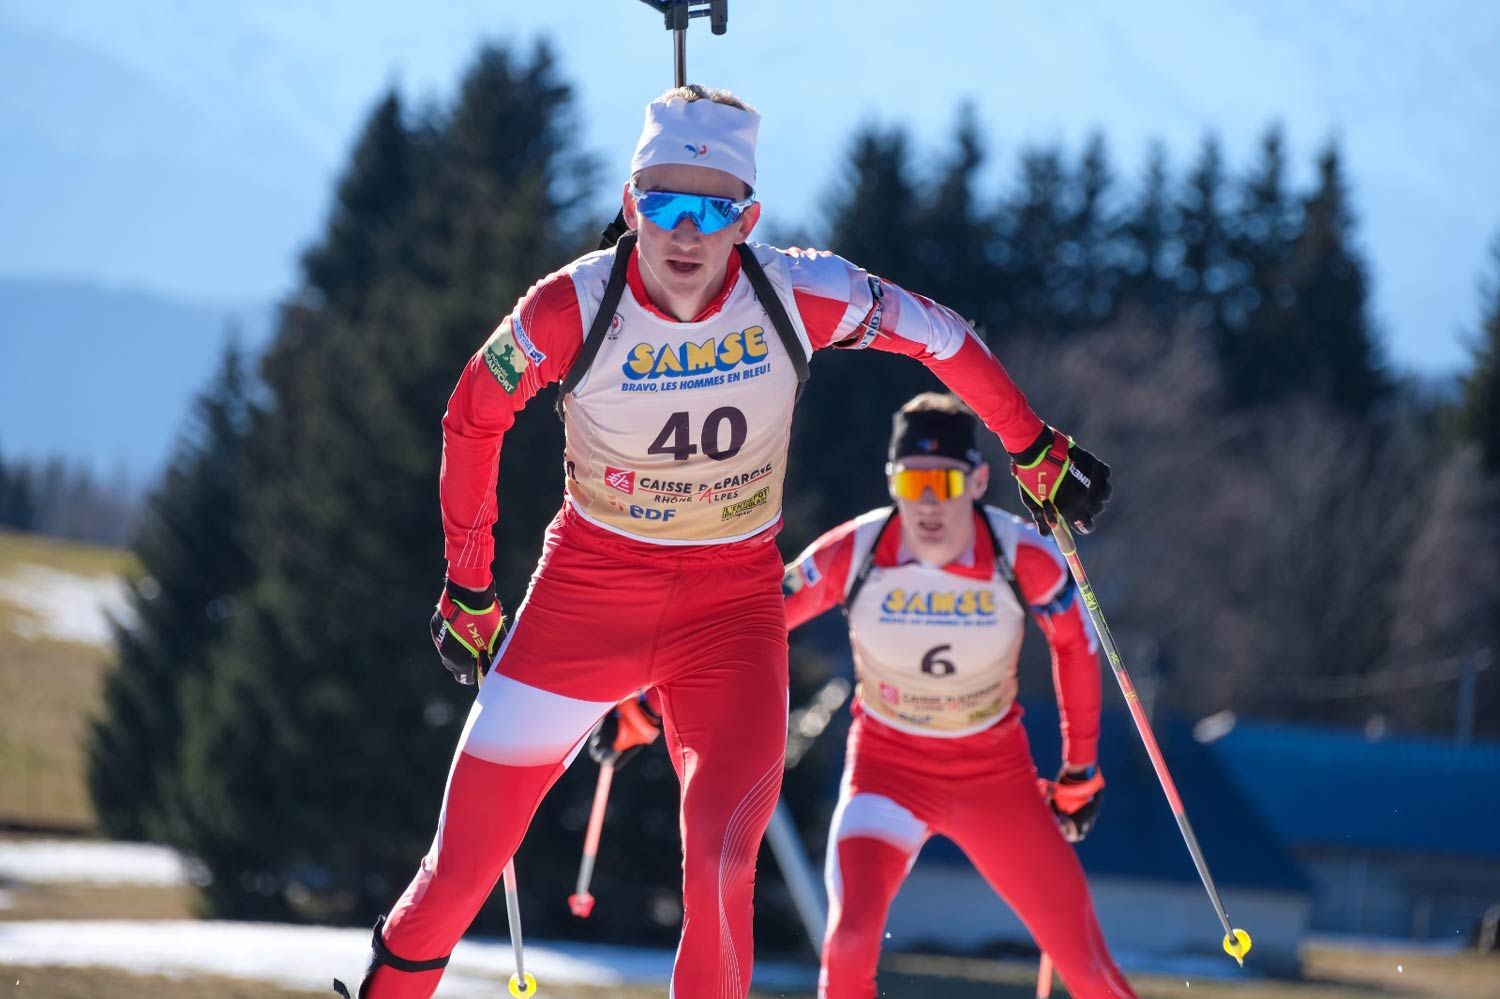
(188, 147)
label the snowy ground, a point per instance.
(292, 956)
(72, 861)
(64, 605)
(309, 957)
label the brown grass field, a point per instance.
(29, 982)
(99, 901)
(49, 690)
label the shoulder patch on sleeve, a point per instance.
(506, 354)
(803, 572)
(544, 323)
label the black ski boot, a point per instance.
(380, 954)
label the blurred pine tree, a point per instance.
(17, 501)
(1035, 227)
(1151, 247)
(314, 755)
(1257, 346)
(1204, 278)
(192, 552)
(1340, 357)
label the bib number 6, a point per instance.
(934, 664)
(676, 437)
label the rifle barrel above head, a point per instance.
(676, 13)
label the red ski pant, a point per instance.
(981, 792)
(603, 618)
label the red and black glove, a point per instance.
(466, 628)
(1074, 799)
(1056, 474)
(630, 725)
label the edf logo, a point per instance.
(651, 513)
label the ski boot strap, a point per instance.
(380, 954)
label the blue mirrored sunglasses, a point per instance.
(709, 214)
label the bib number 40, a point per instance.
(722, 435)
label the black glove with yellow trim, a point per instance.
(466, 628)
(1059, 478)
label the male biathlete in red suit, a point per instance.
(660, 569)
(937, 590)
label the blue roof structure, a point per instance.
(1324, 787)
(1137, 836)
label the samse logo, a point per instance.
(938, 603)
(657, 360)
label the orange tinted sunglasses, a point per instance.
(911, 483)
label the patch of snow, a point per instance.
(310, 957)
(46, 860)
(64, 605)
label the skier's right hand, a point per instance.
(1058, 478)
(466, 628)
(629, 725)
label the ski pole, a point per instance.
(581, 902)
(521, 983)
(1044, 977)
(1236, 941)
(1044, 966)
(797, 872)
(803, 727)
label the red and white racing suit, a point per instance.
(659, 572)
(937, 744)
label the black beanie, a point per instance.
(935, 432)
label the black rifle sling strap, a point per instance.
(771, 302)
(1002, 565)
(866, 564)
(611, 233)
(613, 289)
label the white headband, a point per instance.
(698, 133)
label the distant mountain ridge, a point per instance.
(105, 376)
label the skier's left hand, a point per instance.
(630, 725)
(1075, 801)
(1060, 479)
(466, 627)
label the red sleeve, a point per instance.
(531, 348)
(844, 306)
(816, 580)
(1049, 589)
